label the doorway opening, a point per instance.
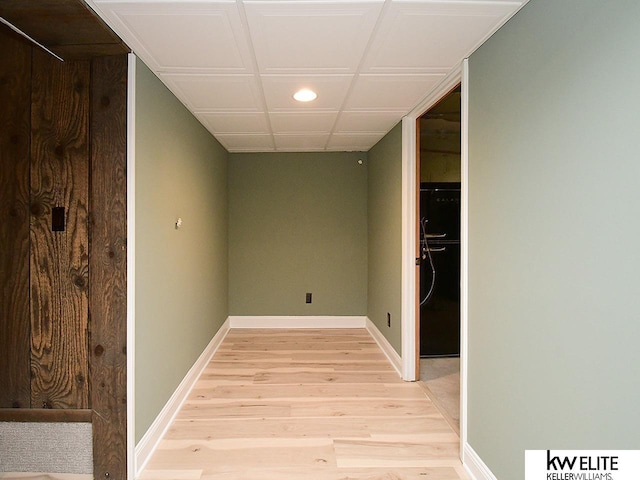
(438, 294)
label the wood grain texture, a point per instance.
(15, 98)
(59, 260)
(44, 415)
(68, 27)
(108, 265)
(305, 404)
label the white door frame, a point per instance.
(409, 208)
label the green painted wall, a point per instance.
(554, 176)
(385, 235)
(297, 224)
(181, 275)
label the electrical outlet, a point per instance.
(308, 300)
(388, 319)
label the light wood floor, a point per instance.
(305, 404)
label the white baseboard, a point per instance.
(149, 442)
(297, 322)
(474, 465)
(385, 346)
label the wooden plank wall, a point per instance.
(63, 297)
(108, 265)
(59, 259)
(15, 94)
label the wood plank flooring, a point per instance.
(305, 404)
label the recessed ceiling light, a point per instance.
(305, 95)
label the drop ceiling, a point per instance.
(237, 64)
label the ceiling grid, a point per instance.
(237, 63)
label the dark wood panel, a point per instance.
(15, 102)
(44, 415)
(108, 265)
(61, 23)
(59, 260)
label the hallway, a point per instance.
(305, 404)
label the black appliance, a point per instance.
(439, 269)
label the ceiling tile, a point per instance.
(331, 90)
(301, 142)
(305, 121)
(391, 92)
(246, 143)
(431, 37)
(186, 36)
(216, 92)
(250, 123)
(367, 121)
(310, 37)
